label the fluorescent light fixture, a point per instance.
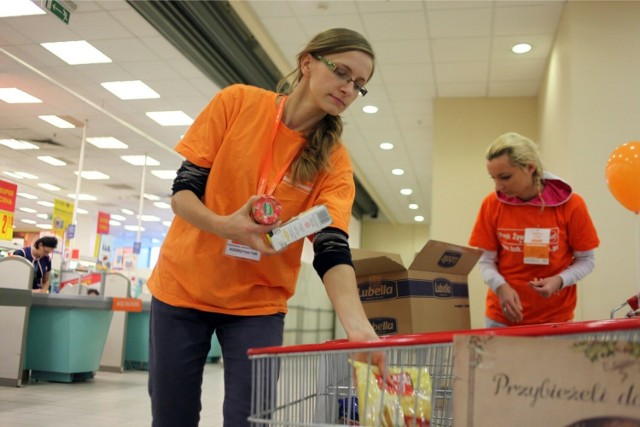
(57, 122)
(386, 146)
(521, 48)
(149, 218)
(28, 221)
(397, 171)
(118, 217)
(170, 118)
(49, 187)
(134, 89)
(418, 218)
(27, 210)
(126, 211)
(27, 196)
(151, 197)
(162, 205)
(166, 223)
(406, 191)
(12, 95)
(139, 160)
(44, 226)
(81, 211)
(20, 175)
(52, 161)
(76, 52)
(413, 206)
(133, 228)
(45, 203)
(43, 216)
(92, 175)
(114, 222)
(370, 109)
(19, 8)
(164, 174)
(18, 144)
(83, 197)
(107, 143)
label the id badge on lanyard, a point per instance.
(536, 246)
(245, 252)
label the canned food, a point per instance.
(266, 210)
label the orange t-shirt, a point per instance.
(500, 227)
(231, 137)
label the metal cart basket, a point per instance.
(313, 385)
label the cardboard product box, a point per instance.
(431, 295)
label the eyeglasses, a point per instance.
(343, 74)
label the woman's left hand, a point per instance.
(547, 286)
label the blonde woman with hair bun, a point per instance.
(536, 235)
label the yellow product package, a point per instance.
(405, 400)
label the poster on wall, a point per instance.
(62, 216)
(535, 382)
(8, 192)
(104, 251)
(103, 223)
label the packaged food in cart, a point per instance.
(402, 399)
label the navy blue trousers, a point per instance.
(179, 341)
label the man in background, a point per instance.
(40, 255)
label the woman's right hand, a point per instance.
(510, 303)
(241, 228)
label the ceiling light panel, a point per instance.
(12, 95)
(57, 122)
(170, 118)
(19, 8)
(77, 52)
(18, 144)
(139, 160)
(107, 143)
(134, 89)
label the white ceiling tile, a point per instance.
(406, 73)
(395, 25)
(315, 25)
(462, 90)
(474, 22)
(461, 49)
(526, 69)
(462, 72)
(540, 18)
(271, 8)
(402, 51)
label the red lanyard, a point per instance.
(268, 161)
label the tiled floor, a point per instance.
(108, 400)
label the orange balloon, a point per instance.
(623, 175)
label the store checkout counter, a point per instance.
(16, 278)
(71, 334)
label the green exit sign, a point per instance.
(59, 10)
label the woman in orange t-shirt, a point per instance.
(537, 238)
(215, 271)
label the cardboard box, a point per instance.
(431, 295)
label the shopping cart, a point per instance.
(631, 303)
(313, 385)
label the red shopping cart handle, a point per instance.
(633, 301)
(546, 329)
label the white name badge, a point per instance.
(237, 250)
(536, 245)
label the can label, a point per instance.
(266, 210)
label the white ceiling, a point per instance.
(425, 50)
